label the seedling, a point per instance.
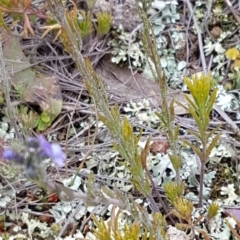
(200, 106)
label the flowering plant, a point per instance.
(34, 151)
(31, 156)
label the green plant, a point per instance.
(200, 106)
(121, 132)
(81, 22)
(235, 77)
(103, 23)
(145, 224)
(156, 229)
(173, 190)
(44, 121)
(212, 210)
(183, 209)
(31, 120)
(28, 118)
(125, 141)
(1, 98)
(167, 110)
(85, 24)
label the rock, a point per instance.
(102, 5)
(216, 32)
(126, 14)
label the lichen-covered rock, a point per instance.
(102, 5)
(126, 14)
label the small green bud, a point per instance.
(104, 20)
(212, 210)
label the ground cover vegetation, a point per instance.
(119, 119)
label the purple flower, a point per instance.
(37, 148)
(57, 155)
(45, 146)
(10, 155)
(32, 143)
(53, 151)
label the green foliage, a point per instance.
(31, 120)
(103, 23)
(28, 118)
(125, 141)
(85, 24)
(212, 210)
(44, 121)
(235, 78)
(159, 225)
(173, 190)
(80, 22)
(183, 209)
(102, 232)
(134, 231)
(167, 114)
(110, 231)
(200, 106)
(1, 98)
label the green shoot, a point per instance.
(200, 106)
(167, 111)
(103, 23)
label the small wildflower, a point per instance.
(57, 155)
(37, 148)
(32, 143)
(53, 151)
(10, 155)
(45, 146)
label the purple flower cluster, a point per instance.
(11, 155)
(37, 148)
